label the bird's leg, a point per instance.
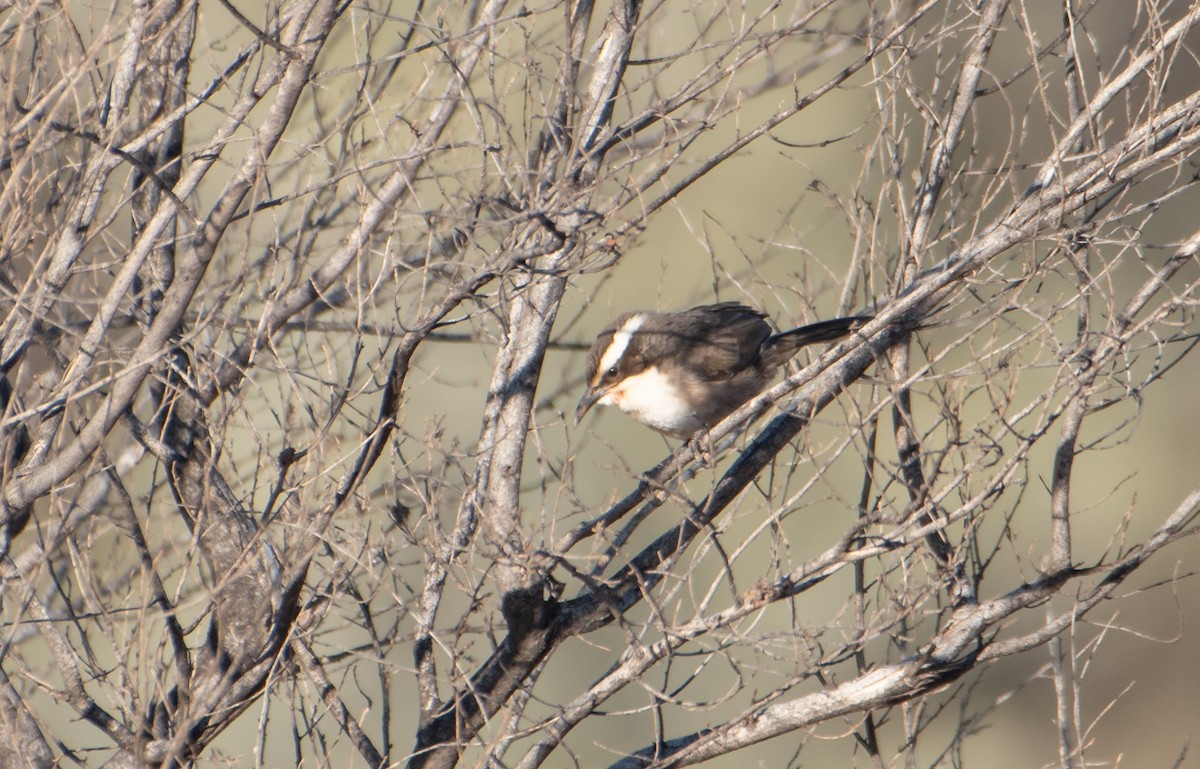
(703, 447)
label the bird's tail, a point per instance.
(782, 347)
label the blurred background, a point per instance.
(809, 221)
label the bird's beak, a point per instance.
(590, 396)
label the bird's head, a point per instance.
(617, 354)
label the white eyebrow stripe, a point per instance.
(620, 341)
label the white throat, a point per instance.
(651, 398)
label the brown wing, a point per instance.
(727, 338)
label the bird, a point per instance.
(683, 372)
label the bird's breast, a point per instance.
(653, 399)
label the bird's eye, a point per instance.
(611, 373)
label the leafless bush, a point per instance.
(292, 311)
